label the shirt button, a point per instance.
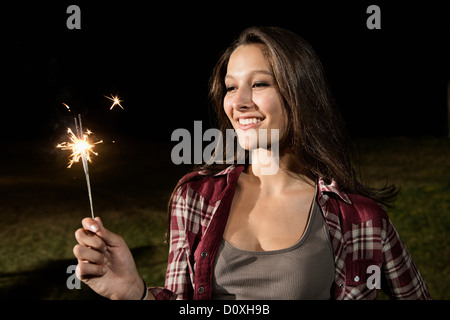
(356, 279)
(204, 254)
(201, 290)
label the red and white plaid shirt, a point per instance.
(360, 231)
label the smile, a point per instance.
(247, 121)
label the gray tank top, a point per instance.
(302, 271)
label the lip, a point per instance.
(251, 125)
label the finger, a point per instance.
(89, 239)
(90, 224)
(87, 254)
(96, 226)
(87, 270)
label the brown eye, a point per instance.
(260, 85)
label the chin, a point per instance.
(253, 139)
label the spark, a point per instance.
(68, 108)
(115, 100)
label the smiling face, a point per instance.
(252, 101)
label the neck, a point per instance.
(271, 171)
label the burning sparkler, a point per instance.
(81, 148)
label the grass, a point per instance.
(42, 204)
(421, 214)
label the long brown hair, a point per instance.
(316, 133)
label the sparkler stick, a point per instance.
(79, 128)
(81, 149)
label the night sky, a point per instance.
(158, 59)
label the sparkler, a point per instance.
(82, 149)
(81, 146)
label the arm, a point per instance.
(401, 274)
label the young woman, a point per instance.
(308, 230)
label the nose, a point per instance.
(242, 99)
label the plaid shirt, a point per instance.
(360, 231)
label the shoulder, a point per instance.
(354, 208)
(362, 209)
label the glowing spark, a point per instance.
(68, 108)
(115, 100)
(79, 146)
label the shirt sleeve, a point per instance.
(178, 282)
(401, 274)
(162, 293)
(178, 274)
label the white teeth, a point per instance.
(245, 121)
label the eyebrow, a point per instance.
(253, 72)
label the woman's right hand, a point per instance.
(105, 262)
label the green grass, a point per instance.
(42, 205)
(421, 214)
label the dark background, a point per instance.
(158, 59)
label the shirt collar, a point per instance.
(224, 172)
(333, 188)
(322, 185)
